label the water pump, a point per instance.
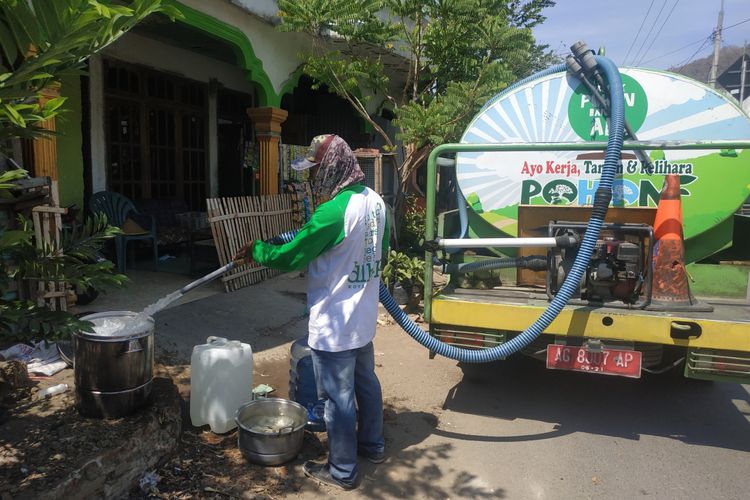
(617, 270)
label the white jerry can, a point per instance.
(221, 380)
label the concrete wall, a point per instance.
(70, 144)
(276, 49)
(266, 9)
(138, 49)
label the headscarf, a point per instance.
(338, 169)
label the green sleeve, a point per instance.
(386, 234)
(324, 231)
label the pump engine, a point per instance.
(617, 269)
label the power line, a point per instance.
(674, 51)
(737, 24)
(702, 40)
(650, 30)
(691, 44)
(658, 32)
(643, 21)
(708, 39)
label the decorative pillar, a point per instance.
(45, 147)
(267, 122)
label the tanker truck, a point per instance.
(560, 246)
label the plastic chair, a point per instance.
(118, 210)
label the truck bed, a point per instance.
(515, 308)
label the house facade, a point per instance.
(191, 109)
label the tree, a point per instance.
(40, 41)
(526, 14)
(455, 54)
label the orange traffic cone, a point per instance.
(670, 290)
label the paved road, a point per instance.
(515, 430)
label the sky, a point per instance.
(677, 31)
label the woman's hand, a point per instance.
(245, 254)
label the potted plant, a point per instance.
(407, 273)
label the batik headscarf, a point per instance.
(338, 169)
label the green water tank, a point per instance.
(659, 106)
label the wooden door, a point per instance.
(124, 148)
(157, 135)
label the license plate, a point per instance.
(621, 362)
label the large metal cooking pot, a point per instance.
(113, 373)
(271, 430)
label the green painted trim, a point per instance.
(291, 84)
(243, 47)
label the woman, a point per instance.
(342, 247)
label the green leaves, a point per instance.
(403, 269)
(7, 177)
(10, 238)
(354, 21)
(73, 261)
(436, 62)
(454, 55)
(25, 321)
(39, 41)
(346, 76)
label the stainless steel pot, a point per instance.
(271, 430)
(113, 374)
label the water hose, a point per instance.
(602, 199)
(533, 262)
(586, 248)
(205, 279)
(463, 215)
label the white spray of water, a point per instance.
(124, 326)
(131, 325)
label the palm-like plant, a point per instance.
(73, 260)
(41, 40)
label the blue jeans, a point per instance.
(342, 377)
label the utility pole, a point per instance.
(717, 47)
(742, 74)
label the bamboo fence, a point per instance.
(47, 220)
(235, 221)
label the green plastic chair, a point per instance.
(119, 209)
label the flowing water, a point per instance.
(131, 325)
(125, 326)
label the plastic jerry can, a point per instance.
(302, 387)
(221, 380)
